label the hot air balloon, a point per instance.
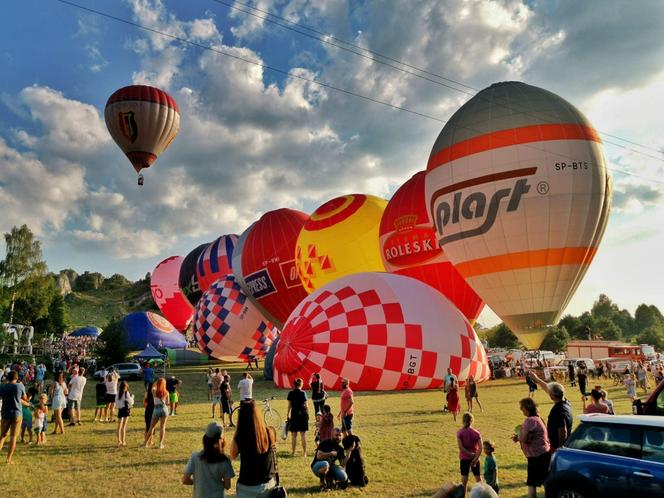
(215, 261)
(187, 279)
(519, 194)
(340, 238)
(143, 121)
(145, 327)
(381, 331)
(89, 331)
(409, 247)
(268, 263)
(237, 263)
(227, 325)
(166, 293)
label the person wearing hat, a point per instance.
(559, 423)
(210, 470)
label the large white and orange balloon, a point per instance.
(143, 121)
(382, 332)
(409, 247)
(519, 194)
(228, 325)
(167, 294)
(340, 238)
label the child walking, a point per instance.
(490, 466)
(39, 420)
(124, 400)
(469, 441)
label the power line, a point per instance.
(323, 38)
(310, 80)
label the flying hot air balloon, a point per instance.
(267, 264)
(215, 261)
(380, 331)
(409, 247)
(143, 121)
(519, 195)
(167, 294)
(340, 238)
(227, 324)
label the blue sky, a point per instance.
(254, 140)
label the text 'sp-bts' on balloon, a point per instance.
(519, 195)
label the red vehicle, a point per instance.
(653, 405)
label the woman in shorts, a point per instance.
(469, 441)
(160, 413)
(124, 400)
(534, 444)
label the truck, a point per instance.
(597, 349)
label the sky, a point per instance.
(257, 133)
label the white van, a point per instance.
(588, 362)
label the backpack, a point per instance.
(355, 465)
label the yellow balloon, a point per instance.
(340, 238)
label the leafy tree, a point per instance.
(501, 336)
(607, 330)
(23, 260)
(37, 293)
(625, 322)
(653, 336)
(57, 320)
(112, 345)
(646, 317)
(604, 308)
(556, 340)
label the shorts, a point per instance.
(538, 469)
(347, 423)
(465, 467)
(159, 412)
(216, 398)
(225, 406)
(174, 397)
(124, 412)
(73, 404)
(110, 398)
(26, 424)
(101, 403)
(37, 428)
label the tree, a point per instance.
(653, 336)
(23, 259)
(556, 340)
(604, 308)
(501, 336)
(646, 317)
(37, 294)
(607, 330)
(112, 345)
(57, 320)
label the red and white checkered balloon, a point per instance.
(228, 325)
(381, 331)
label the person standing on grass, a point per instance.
(532, 385)
(209, 471)
(453, 398)
(630, 384)
(582, 378)
(172, 385)
(40, 411)
(561, 418)
(318, 393)
(535, 445)
(208, 377)
(471, 393)
(217, 380)
(298, 416)
(245, 387)
(76, 386)
(148, 375)
(447, 381)
(124, 400)
(159, 414)
(12, 396)
(469, 441)
(347, 408)
(111, 392)
(59, 393)
(226, 401)
(490, 466)
(148, 404)
(100, 395)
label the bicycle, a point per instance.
(270, 415)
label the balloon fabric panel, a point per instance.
(167, 295)
(215, 261)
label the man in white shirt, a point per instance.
(245, 386)
(76, 386)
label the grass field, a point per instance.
(409, 444)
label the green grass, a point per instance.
(409, 444)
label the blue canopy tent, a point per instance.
(150, 353)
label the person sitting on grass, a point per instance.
(323, 465)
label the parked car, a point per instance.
(131, 371)
(653, 404)
(610, 456)
(590, 364)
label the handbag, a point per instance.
(278, 491)
(284, 429)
